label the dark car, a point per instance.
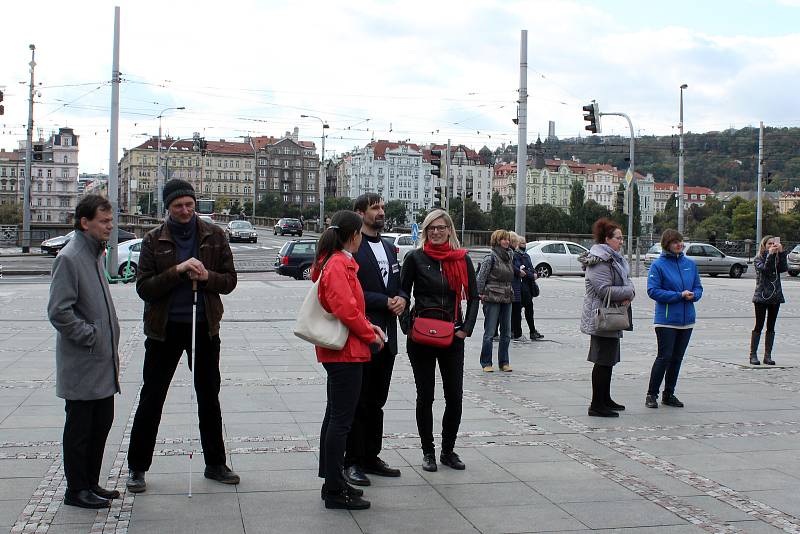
(295, 258)
(241, 231)
(288, 226)
(55, 244)
(794, 261)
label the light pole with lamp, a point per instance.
(680, 164)
(255, 174)
(321, 222)
(159, 176)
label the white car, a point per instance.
(652, 254)
(555, 257)
(128, 257)
(403, 244)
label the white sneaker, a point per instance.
(521, 339)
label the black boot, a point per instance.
(768, 341)
(601, 392)
(755, 338)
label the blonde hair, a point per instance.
(432, 216)
(497, 236)
(763, 245)
(514, 238)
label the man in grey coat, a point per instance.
(87, 362)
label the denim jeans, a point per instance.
(672, 343)
(495, 313)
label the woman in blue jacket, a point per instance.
(674, 283)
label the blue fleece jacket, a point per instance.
(668, 277)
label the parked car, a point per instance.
(711, 261)
(652, 255)
(241, 231)
(288, 226)
(207, 218)
(403, 244)
(128, 257)
(295, 258)
(55, 244)
(555, 257)
(794, 261)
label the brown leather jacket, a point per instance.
(158, 276)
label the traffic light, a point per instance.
(436, 163)
(2, 109)
(437, 195)
(593, 117)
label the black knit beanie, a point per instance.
(176, 188)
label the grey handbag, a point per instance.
(612, 317)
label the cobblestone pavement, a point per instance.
(727, 462)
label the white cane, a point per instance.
(192, 362)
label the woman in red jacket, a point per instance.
(340, 294)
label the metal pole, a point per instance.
(26, 183)
(448, 190)
(759, 212)
(159, 178)
(113, 169)
(522, 143)
(322, 179)
(630, 185)
(680, 166)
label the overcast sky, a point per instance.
(423, 71)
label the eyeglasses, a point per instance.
(438, 228)
(618, 237)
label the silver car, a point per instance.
(794, 261)
(711, 261)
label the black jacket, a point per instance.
(376, 294)
(768, 277)
(424, 275)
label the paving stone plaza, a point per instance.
(727, 462)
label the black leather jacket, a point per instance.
(424, 276)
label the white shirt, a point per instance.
(383, 261)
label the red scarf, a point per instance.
(453, 265)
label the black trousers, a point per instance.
(768, 312)
(366, 433)
(161, 358)
(85, 431)
(601, 386)
(344, 386)
(451, 366)
(526, 304)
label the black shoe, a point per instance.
(671, 400)
(451, 460)
(104, 493)
(135, 482)
(354, 475)
(380, 468)
(355, 492)
(754, 360)
(429, 462)
(768, 360)
(85, 499)
(611, 405)
(345, 501)
(602, 412)
(221, 473)
(536, 335)
(651, 401)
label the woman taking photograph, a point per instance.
(495, 279)
(607, 273)
(340, 294)
(768, 297)
(441, 275)
(674, 283)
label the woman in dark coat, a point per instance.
(768, 297)
(606, 272)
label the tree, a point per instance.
(221, 204)
(146, 206)
(500, 216)
(395, 211)
(11, 213)
(637, 212)
(334, 204)
(577, 197)
(546, 219)
(270, 205)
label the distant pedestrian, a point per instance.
(674, 283)
(495, 280)
(181, 251)
(607, 272)
(768, 297)
(440, 275)
(525, 283)
(87, 362)
(340, 293)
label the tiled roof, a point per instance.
(687, 189)
(219, 147)
(12, 155)
(380, 147)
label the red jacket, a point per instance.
(340, 293)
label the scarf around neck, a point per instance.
(453, 265)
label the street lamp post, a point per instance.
(255, 175)
(680, 164)
(321, 222)
(159, 176)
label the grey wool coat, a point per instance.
(82, 312)
(603, 273)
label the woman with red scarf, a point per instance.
(439, 275)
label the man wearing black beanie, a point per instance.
(182, 251)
